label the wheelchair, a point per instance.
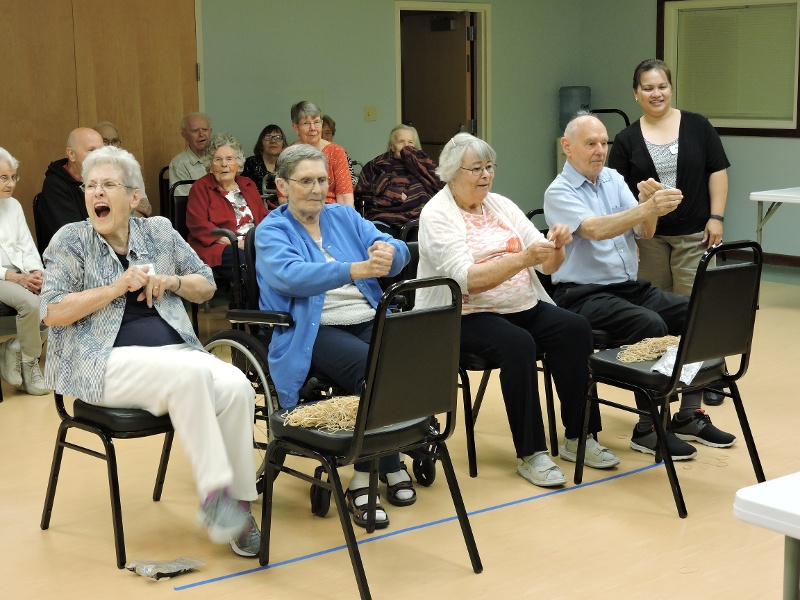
(246, 344)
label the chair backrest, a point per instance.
(722, 309)
(410, 231)
(163, 190)
(413, 361)
(37, 226)
(248, 280)
(176, 208)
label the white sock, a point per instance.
(14, 345)
(397, 477)
(361, 480)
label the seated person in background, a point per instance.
(61, 200)
(328, 131)
(307, 124)
(120, 337)
(195, 129)
(110, 135)
(486, 243)
(20, 282)
(397, 184)
(599, 276)
(222, 199)
(320, 262)
(261, 166)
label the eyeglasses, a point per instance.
(309, 124)
(108, 186)
(273, 138)
(112, 142)
(308, 182)
(224, 160)
(4, 179)
(477, 171)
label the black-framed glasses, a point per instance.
(274, 138)
(108, 186)
(477, 171)
(308, 182)
(112, 142)
(4, 179)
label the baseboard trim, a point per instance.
(782, 260)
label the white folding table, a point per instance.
(776, 197)
(775, 505)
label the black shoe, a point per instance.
(713, 398)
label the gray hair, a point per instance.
(217, 141)
(303, 109)
(293, 156)
(402, 127)
(194, 114)
(5, 156)
(119, 159)
(569, 130)
(453, 154)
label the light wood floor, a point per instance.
(616, 537)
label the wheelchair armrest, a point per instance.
(226, 233)
(259, 317)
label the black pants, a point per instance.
(511, 341)
(225, 270)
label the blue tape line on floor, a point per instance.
(414, 528)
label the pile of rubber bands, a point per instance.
(336, 414)
(647, 349)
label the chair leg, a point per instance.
(116, 505)
(461, 511)
(551, 408)
(55, 469)
(659, 422)
(591, 392)
(266, 504)
(469, 422)
(162, 466)
(746, 432)
(476, 407)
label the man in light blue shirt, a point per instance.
(598, 278)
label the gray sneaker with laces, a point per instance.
(222, 516)
(10, 363)
(32, 378)
(248, 543)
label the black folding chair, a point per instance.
(722, 312)
(407, 384)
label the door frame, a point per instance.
(483, 52)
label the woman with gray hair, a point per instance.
(222, 199)
(487, 244)
(113, 297)
(21, 274)
(320, 262)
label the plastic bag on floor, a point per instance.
(158, 569)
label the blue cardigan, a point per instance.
(294, 277)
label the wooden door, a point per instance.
(40, 105)
(437, 75)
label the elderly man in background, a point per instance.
(196, 130)
(61, 199)
(598, 278)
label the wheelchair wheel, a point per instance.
(424, 470)
(319, 496)
(249, 355)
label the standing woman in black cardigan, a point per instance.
(673, 148)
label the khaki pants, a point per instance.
(669, 262)
(27, 306)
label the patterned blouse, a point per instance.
(255, 169)
(78, 259)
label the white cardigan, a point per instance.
(443, 250)
(16, 240)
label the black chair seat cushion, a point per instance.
(605, 364)
(121, 422)
(7, 311)
(473, 362)
(338, 443)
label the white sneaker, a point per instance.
(540, 470)
(597, 456)
(11, 364)
(33, 379)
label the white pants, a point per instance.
(211, 404)
(27, 306)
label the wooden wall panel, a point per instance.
(138, 73)
(40, 104)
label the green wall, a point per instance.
(261, 56)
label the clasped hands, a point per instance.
(153, 286)
(558, 236)
(30, 281)
(661, 200)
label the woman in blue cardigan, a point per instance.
(320, 263)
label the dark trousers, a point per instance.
(340, 355)
(512, 341)
(225, 269)
(630, 311)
